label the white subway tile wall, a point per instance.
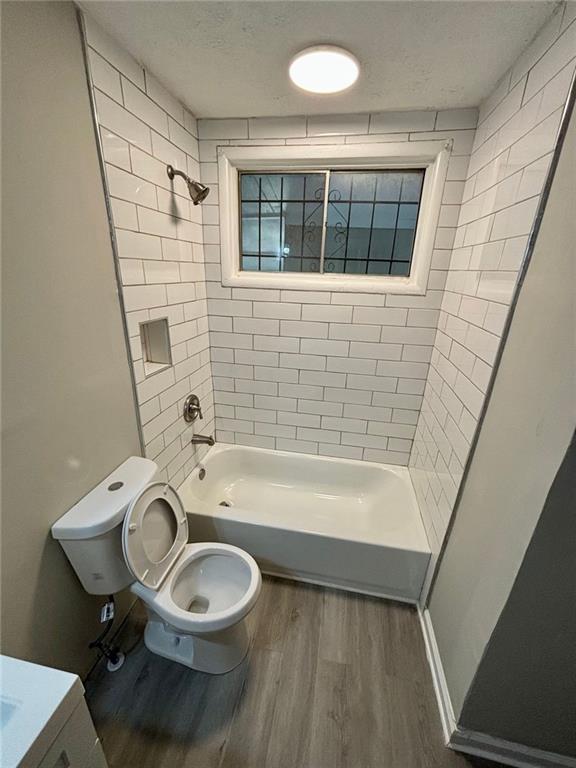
(336, 374)
(388, 378)
(160, 243)
(516, 134)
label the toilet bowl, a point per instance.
(196, 595)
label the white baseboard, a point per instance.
(507, 752)
(473, 742)
(438, 677)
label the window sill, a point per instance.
(335, 283)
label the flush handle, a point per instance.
(192, 408)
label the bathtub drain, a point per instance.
(224, 504)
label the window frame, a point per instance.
(432, 156)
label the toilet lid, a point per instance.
(154, 534)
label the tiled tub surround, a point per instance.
(159, 241)
(346, 375)
(516, 134)
(336, 374)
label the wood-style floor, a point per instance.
(332, 680)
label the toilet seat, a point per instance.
(154, 534)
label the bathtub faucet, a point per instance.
(202, 440)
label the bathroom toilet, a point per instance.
(129, 531)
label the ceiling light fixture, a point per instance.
(324, 69)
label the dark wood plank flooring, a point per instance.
(332, 680)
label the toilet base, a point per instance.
(214, 653)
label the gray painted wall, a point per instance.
(68, 410)
(528, 427)
(525, 687)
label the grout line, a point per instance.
(522, 105)
(145, 73)
(144, 123)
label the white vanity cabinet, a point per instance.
(45, 719)
(77, 745)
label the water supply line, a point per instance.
(113, 654)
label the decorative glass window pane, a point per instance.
(370, 230)
(388, 187)
(411, 187)
(370, 221)
(363, 186)
(293, 187)
(250, 263)
(281, 225)
(250, 228)
(250, 187)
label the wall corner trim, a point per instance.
(474, 742)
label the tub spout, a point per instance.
(202, 440)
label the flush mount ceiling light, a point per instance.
(324, 69)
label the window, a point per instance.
(369, 218)
(338, 218)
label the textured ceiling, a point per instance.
(229, 59)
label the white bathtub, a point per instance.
(349, 524)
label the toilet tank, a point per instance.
(91, 532)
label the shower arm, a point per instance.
(171, 171)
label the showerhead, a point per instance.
(197, 191)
